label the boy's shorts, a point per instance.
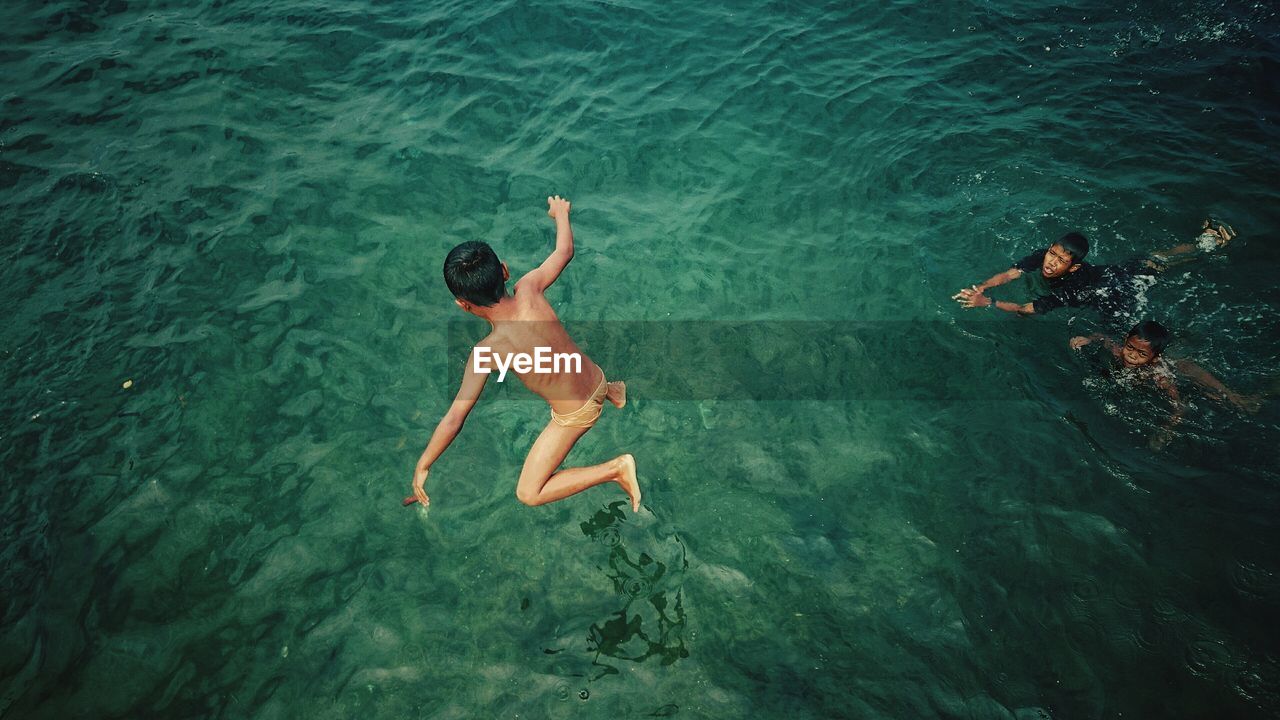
(588, 414)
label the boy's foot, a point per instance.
(1220, 233)
(1248, 403)
(627, 479)
(617, 394)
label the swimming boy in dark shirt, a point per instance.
(1112, 290)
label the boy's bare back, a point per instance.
(524, 326)
(533, 325)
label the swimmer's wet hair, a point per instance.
(1154, 333)
(473, 273)
(1075, 244)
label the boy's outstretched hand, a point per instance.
(971, 297)
(558, 207)
(419, 495)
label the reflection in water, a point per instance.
(651, 621)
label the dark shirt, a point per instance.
(1111, 290)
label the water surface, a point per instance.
(243, 208)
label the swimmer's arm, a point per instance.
(1080, 341)
(540, 278)
(966, 296)
(978, 300)
(973, 299)
(1172, 388)
(449, 426)
(1162, 436)
(1019, 308)
(1200, 376)
(999, 279)
(1205, 379)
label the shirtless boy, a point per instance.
(1143, 352)
(523, 325)
(1141, 357)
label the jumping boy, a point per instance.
(523, 326)
(1071, 282)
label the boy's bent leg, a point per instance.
(540, 483)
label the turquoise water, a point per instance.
(242, 208)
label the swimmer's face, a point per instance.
(1057, 262)
(1137, 352)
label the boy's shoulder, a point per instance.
(1032, 261)
(487, 342)
(534, 304)
(528, 288)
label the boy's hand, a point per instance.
(558, 208)
(971, 297)
(419, 479)
(1078, 342)
(1160, 439)
(1247, 403)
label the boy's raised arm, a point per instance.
(448, 427)
(541, 277)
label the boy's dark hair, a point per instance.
(473, 273)
(1075, 244)
(1154, 333)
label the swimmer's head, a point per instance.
(1144, 344)
(475, 276)
(1064, 256)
